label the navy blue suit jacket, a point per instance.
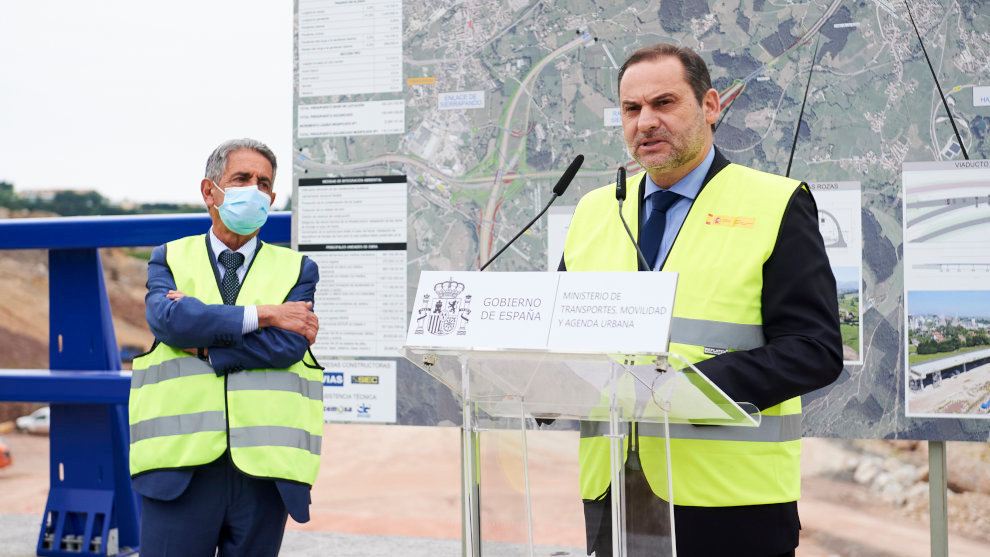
(189, 323)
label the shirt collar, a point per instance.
(690, 185)
(247, 250)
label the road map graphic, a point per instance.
(490, 101)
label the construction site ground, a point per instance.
(395, 490)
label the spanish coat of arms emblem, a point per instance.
(445, 311)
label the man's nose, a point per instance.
(649, 119)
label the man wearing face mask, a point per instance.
(226, 410)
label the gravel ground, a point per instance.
(18, 536)
(395, 491)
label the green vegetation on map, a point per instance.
(850, 336)
(849, 319)
(932, 337)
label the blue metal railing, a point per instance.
(120, 231)
(91, 508)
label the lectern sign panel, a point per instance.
(577, 312)
(474, 310)
(613, 312)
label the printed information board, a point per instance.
(355, 230)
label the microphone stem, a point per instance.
(639, 253)
(524, 229)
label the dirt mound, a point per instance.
(24, 314)
(20, 351)
(24, 309)
(891, 478)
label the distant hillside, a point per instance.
(846, 286)
(71, 203)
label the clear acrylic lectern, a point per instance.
(658, 391)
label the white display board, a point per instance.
(840, 206)
(336, 56)
(947, 288)
(359, 391)
(355, 230)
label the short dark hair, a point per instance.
(695, 68)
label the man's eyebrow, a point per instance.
(666, 95)
(243, 174)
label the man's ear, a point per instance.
(207, 189)
(273, 200)
(710, 103)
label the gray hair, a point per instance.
(217, 163)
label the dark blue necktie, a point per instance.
(229, 285)
(652, 233)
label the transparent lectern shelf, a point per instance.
(541, 384)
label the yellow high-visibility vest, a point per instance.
(182, 415)
(728, 235)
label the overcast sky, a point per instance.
(129, 97)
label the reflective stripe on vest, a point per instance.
(772, 429)
(275, 436)
(727, 236)
(169, 369)
(181, 412)
(182, 424)
(276, 381)
(716, 334)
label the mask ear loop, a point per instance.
(223, 191)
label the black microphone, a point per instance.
(558, 190)
(620, 196)
(567, 176)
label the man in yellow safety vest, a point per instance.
(756, 311)
(226, 410)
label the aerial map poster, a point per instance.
(479, 106)
(947, 288)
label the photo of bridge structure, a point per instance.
(958, 385)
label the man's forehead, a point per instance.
(655, 75)
(248, 161)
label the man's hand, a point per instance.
(291, 316)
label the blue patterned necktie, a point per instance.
(652, 233)
(229, 285)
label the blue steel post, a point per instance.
(91, 509)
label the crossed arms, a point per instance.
(285, 330)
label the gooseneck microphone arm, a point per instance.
(620, 196)
(558, 190)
